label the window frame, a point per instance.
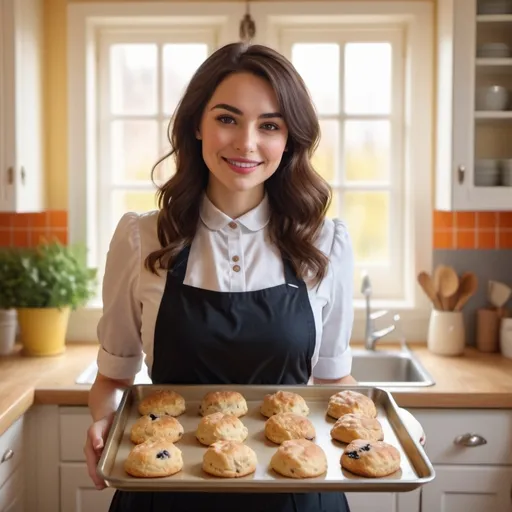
(84, 22)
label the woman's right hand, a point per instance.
(94, 444)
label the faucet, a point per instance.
(371, 336)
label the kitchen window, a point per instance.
(367, 66)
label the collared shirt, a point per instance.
(226, 255)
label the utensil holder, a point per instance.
(487, 330)
(446, 333)
(506, 337)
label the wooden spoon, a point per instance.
(467, 288)
(446, 283)
(428, 287)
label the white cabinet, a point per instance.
(467, 134)
(11, 468)
(385, 501)
(21, 131)
(471, 451)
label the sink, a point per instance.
(389, 369)
(379, 368)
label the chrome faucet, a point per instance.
(371, 336)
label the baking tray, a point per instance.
(416, 469)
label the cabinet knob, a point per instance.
(23, 174)
(6, 456)
(470, 440)
(461, 172)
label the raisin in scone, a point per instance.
(372, 459)
(350, 402)
(220, 427)
(229, 459)
(283, 401)
(351, 426)
(154, 458)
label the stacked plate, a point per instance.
(487, 173)
(493, 51)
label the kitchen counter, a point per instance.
(474, 380)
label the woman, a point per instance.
(239, 277)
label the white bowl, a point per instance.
(484, 164)
(487, 180)
(494, 97)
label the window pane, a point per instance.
(134, 150)
(367, 217)
(180, 63)
(167, 168)
(132, 201)
(319, 66)
(367, 150)
(333, 210)
(325, 159)
(133, 69)
(368, 78)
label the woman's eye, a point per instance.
(270, 126)
(225, 119)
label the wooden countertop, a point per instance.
(474, 380)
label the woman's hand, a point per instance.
(94, 444)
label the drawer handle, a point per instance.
(7, 455)
(470, 440)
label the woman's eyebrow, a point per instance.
(238, 112)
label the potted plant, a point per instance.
(8, 316)
(48, 282)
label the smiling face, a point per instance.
(243, 135)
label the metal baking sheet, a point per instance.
(416, 469)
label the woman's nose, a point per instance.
(246, 140)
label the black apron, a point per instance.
(208, 337)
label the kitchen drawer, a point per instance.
(73, 424)
(11, 492)
(11, 449)
(444, 426)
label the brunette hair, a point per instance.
(298, 196)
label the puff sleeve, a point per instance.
(335, 357)
(119, 329)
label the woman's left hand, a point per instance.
(413, 425)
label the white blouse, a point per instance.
(226, 255)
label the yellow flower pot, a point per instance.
(43, 330)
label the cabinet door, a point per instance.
(463, 134)
(77, 492)
(384, 501)
(21, 160)
(469, 489)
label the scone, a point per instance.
(351, 402)
(229, 459)
(227, 402)
(351, 426)
(287, 425)
(152, 426)
(370, 458)
(299, 458)
(283, 401)
(221, 427)
(162, 402)
(154, 458)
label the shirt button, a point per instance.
(232, 225)
(236, 268)
(236, 258)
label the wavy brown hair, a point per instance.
(298, 196)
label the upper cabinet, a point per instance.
(21, 133)
(474, 105)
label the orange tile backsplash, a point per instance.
(472, 230)
(28, 229)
